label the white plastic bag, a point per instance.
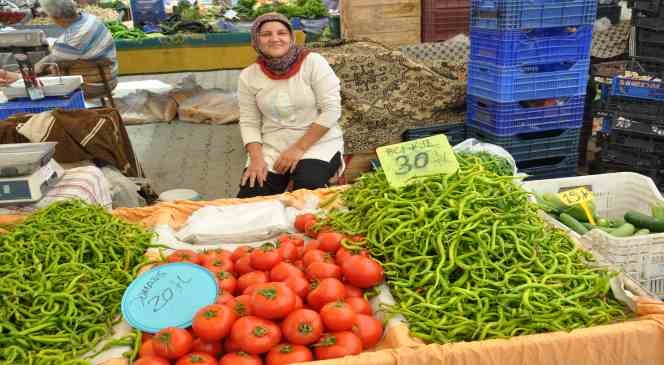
(241, 223)
(473, 145)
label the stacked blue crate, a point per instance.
(527, 79)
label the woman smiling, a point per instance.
(290, 105)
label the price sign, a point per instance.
(422, 157)
(168, 296)
(579, 196)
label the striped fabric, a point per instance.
(86, 39)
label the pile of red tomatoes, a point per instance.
(281, 303)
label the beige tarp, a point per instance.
(636, 342)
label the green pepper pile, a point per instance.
(120, 31)
(467, 257)
(64, 271)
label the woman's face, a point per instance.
(274, 39)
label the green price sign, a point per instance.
(422, 157)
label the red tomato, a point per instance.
(309, 228)
(323, 270)
(218, 264)
(172, 343)
(146, 348)
(240, 252)
(212, 323)
(197, 358)
(214, 253)
(184, 256)
(326, 291)
(226, 281)
(224, 297)
(285, 354)
(338, 316)
(284, 237)
(297, 240)
(301, 221)
(230, 345)
(359, 304)
(241, 305)
(272, 301)
(255, 335)
(315, 256)
(266, 257)
(243, 265)
(338, 344)
(368, 329)
(300, 265)
(299, 304)
(249, 279)
(330, 241)
(213, 348)
(343, 255)
(288, 251)
(240, 358)
(146, 336)
(352, 291)
(299, 285)
(363, 272)
(302, 327)
(283, 270)
(311, 245)
(152, 360)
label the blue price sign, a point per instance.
(168, 296)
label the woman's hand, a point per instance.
(7, 78)
(288, 159)
(256, 172)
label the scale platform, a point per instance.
(29, 189)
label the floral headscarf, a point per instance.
(283, 67)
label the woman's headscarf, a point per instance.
(277, 68)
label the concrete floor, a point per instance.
(205, 158)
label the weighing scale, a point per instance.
(27, 171)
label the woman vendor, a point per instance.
(84, 38)
(290, 105)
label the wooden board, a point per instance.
(392, 22)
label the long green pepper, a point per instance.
(468, 258)
(64, 270)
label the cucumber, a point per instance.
(603, 222)
(625, 230)
(642, 232)
(588, 226)
(606, 229)
(645, 221)
(615, 223)
(657, 210)
(572, 223)
(554, 202)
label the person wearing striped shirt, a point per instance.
(85, 38)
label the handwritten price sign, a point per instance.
(423, 157)
(168, 296)
(579, 196)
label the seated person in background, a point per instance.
(85, 38)
(290, 105)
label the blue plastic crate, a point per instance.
(508, 119)
(625, 86)
(533, 146)
(534, 46)
(74, 100)
(528, 82)
(531, 14)
(550, 168)
(455, 132)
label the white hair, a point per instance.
(61, 9)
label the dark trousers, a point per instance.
(308, 174)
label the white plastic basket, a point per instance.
(641, 257)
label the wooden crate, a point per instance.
(391, 22)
